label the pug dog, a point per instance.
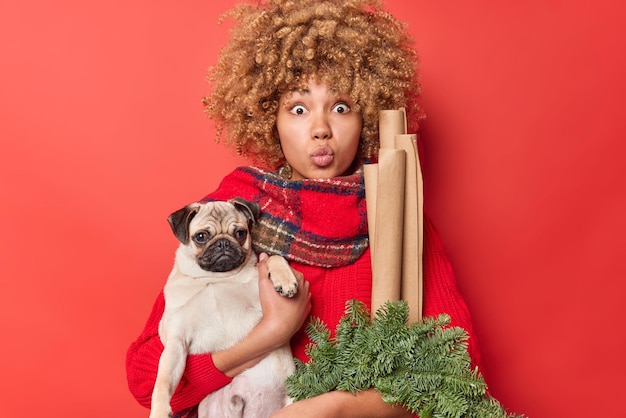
(212, 301)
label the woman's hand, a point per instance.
(340, 404)
(282, 316)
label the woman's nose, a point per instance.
(320, 128)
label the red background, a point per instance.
(103, 136)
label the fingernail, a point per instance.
(262, 256)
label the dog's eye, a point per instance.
(201, 238)
(241, 235)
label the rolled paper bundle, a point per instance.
(394, 192)
(384, 189)
(412, 237)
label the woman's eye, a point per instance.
(201, 238)
(341, 108)
(298, 110)
(241, 235)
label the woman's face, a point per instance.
(319, 132)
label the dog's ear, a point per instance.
(252, 210)
(179, 221)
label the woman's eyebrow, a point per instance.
(301, 91)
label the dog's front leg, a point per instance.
(171, 368)
(282, 276)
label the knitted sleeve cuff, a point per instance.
(201, 377)
(202, 373)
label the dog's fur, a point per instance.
(212, 301)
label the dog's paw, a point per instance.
(290, 292)
(282, 277)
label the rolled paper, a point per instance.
(420, 232)
(390, 124)
(385, 214)
(394, 193)
(412, 237)
(387, 269)
(370, 176)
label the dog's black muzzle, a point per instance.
(221, 256)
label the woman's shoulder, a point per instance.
(243, 181)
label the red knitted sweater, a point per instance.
(325, 212)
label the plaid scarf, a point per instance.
(319, 222)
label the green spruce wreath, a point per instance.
(423, 366)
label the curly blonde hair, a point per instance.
(353, 46)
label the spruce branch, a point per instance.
(423, 366)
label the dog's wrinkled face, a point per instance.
(216, 232)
